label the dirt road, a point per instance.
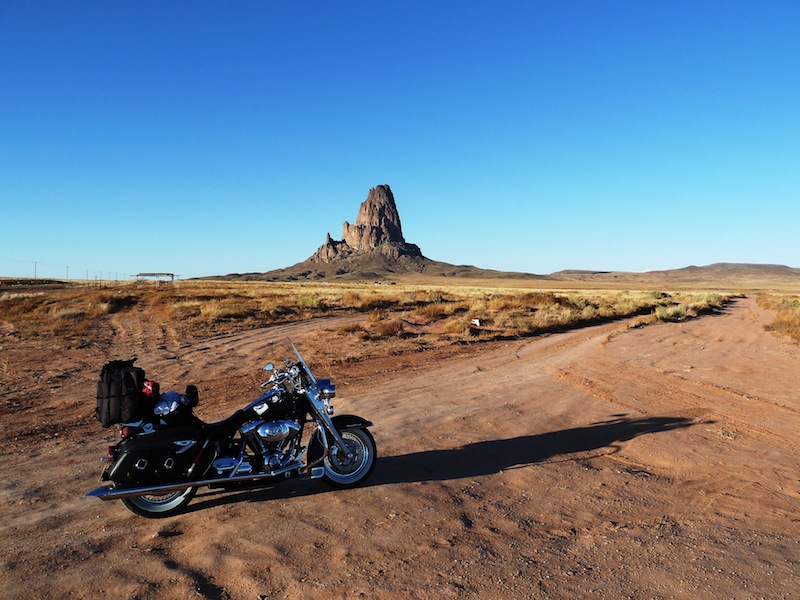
(659, 462)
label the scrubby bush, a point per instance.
(387, 328)
(787, 315)
(673, 312)
(457, 327)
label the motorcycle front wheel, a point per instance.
(157, 506)
(341, 471)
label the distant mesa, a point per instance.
(743, 275)
(374, 248)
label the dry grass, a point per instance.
(388, 328)
(402, 317)
(477, 314)
(691, 307)
(66, 314)
(5, 370)
(787, 315)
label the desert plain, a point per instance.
(622, 458)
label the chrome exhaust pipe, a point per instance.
(109, 492)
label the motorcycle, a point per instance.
(160, 462)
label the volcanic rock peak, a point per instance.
(378, 222)
(377, 230)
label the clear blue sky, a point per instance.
(207, 138)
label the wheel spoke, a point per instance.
(341, 470)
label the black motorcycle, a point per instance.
(287, 432)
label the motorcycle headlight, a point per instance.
(327, 389)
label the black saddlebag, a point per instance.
(160, 457)
(119, 394)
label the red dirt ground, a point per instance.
(658, 462)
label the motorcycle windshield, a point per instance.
(302, 363)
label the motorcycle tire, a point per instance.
(341, 472)
(158, 506)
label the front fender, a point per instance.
(342, 422)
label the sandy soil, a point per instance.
(659, 462)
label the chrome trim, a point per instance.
(240, 461)
(197, 458)
(276, 431)
(325, 449)
(319, 408)
(184, 445)
(249, 426)
(108, 492)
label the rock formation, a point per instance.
(377, 230)
(372, 249)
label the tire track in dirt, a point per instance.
(733, 364)
(577, 464)
(718, 389)
(134, 334)
(240, 353)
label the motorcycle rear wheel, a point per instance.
(343, 472)
(158, 506)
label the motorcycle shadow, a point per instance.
(476, 459)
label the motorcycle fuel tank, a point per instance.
(274, 405)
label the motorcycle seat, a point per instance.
(226, 426)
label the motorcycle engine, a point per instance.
(273, 440)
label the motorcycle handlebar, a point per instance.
(292, 372)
